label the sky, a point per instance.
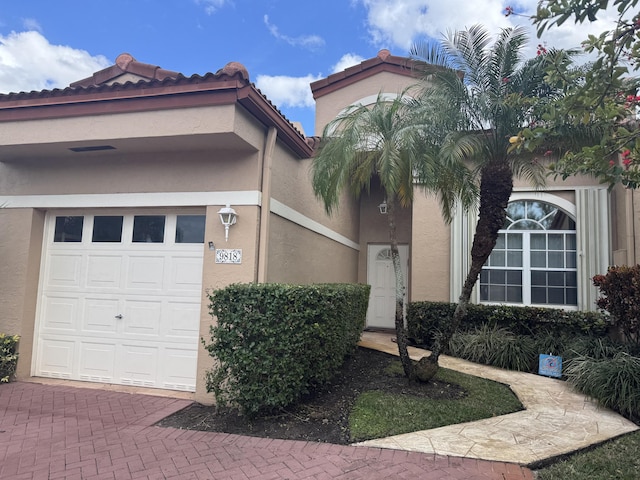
(284, 44)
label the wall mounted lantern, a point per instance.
(383, 207)
(228, 217)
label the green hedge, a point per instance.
(8, 356)
(273, 342)
(426, 319)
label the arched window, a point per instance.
(534, 260)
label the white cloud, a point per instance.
(346, 61)
(31, 24)
(399, 23)
(307, 41)
(29, 62)
(212, 6)
(286, 91)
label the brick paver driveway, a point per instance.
(54, 432)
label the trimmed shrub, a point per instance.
(426, 319)
(273, 342)
(8, 356)
(620, 290)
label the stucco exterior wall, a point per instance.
(20, 250)
(298, 255)
(292, 186)
(329, 106)
(430, 254)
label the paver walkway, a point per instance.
(556, 421)
(64, 432)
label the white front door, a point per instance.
(120, 298)
(381, 277)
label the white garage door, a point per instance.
(120, 299)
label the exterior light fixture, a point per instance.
(383, 207)
(228, 217)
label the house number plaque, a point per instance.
(225, 255)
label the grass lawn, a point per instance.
(618, 459)
(378, 414)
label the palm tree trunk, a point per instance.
(496, 185)
(401, 330)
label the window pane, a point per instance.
(556, 279)
(538, 295)
(538, 241)
(514, 277)
(107, 229)
(497, 259)
(514, 294)
(68, 229)
(556, 260)
(571, 241)
(500, 241)
(484, 293)
(148, 228)
(539, 210)
(556, 296)
(496, 294)
(538, 278)
(514, 241)
(514, 259)
(190, 229)
(515, 210)
(539, 259)
(526, 225)
(572, 296)
(497, 277)
(484, 276)
(570, 259)
(556, 241)
(571, 279)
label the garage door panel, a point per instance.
(139, 365)
(186, 274)
(145, 273)
(64, 271)
(60, 314)
(142, 318)
(56, 358)
(182, 321)
(179, 367)
(99, 316)
(97, 362)
(104, 271)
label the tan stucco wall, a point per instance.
(169, 123)
(430, 253)
(20, 249)
(292, 185)
(298, 255)
(328, 106)
(116, 173)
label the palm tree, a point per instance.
(491, 94)
(390, 141)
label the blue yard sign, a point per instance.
(550, 366)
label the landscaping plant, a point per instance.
(8, 356)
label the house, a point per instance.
(111, 233)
